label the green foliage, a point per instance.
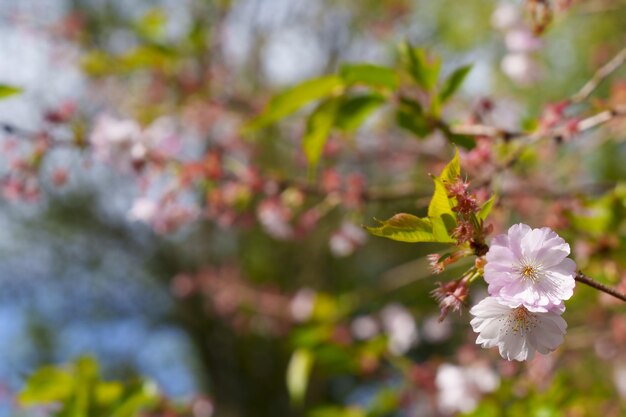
(152, 24)
(79, 392)
(423, 68)
(453, 83)
(318, 128)
(298, 372)
(441, 219)
(405, 227)
(370, 75)
(7, 91)
(296, 97)
(331, 411)
(486, 208)
(410, 116)
(354, 110)
(346, 111)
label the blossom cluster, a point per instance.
(529, 277)
(518, 64)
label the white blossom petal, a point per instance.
(516, 331)
(530, 266)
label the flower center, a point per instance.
(521, 320)
(529, 271)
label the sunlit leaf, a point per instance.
(332, 411)
(7, 91)
(318, 128)
(48, 384)
(294, 98)
(298, 374)
(423, 69)
(107, 393)
(453, 82)
(452, 170)
(440, 207)
(355, 110)
(464, 141)
(405, 227)
(370, 75)
(140, 398)
(152, 24)
(410, 116)
(486, 208)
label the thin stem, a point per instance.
(580, 277)
(606, 70)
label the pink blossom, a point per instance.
(114, 140)
(123, 142)
(460, 388)
(516, 331)
(520, 68)
(143, 210)
(530, 267)
(400, 328)
(346, 240)
(505, 16)
(522, 40)
(275, 219)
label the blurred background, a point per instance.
(217, 265)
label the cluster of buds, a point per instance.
(451, 296)
(469, 227)
(438, 263)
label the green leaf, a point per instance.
(138, 399)
(298, 373)
(486, 208)
(424, 70)
(370, 75)
(440, 207)
(318, 128)
(355, 110)
(47, 385)
(465, 141)
(453, 82)
(7, 91)
(334, 411)
(152, 24)
(452, 170)
(294, 98)
(410, 116)
(440, 212)
(405, 227)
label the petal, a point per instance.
(516, 233)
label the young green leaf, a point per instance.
(423, 69)
(411, 117)
(452, 170)
(453, 82)
(298, 373)
(486, 208)
(405, 227)
(7, 91)
(370, 75)
(440, 207)
(318, 128)
(355, 110)
(465, 141)
(294, 98)
(48, 384)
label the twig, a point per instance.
(606, 70)
(580, 277)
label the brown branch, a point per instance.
(599, 76)
(580, 277)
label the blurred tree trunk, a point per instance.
(244, 373)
